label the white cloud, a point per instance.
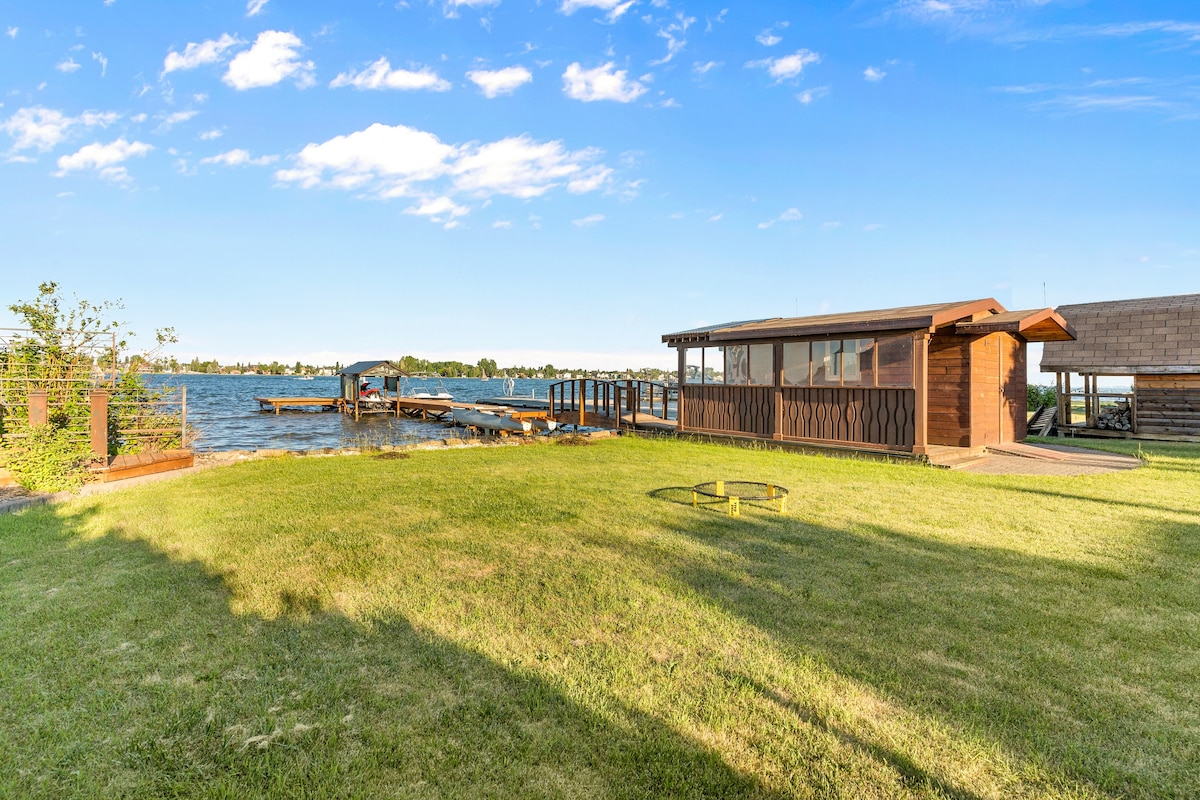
(615, 8)
(874, 226)
(103, 63)
(237, 158)
(169, 121)
(380, 75)
(68, 66)
(45, 128)
(398, 161)
(213, 133)
(523, 168)
(274, 57)
(602, 83)
(197, 55)
(589, 220)
(815, 93)
(673, 33)
(716, 217)
(451, 7)
(391, 156)
(706, 67)
(768, 38)
(12, 32)
(873, 75)
(500, 81)
(790, 215)
(106, 159)
(438, 209)
(504, 224)
(829, 226)
(787, 67)
(255, 7)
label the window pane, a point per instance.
(695, 365)
(714, 365)
(762, 364)
(737, 365)
(858, 362)
(795, 363)
(827, 363)
(895, 361)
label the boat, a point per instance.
(440, 394)
(485, 420)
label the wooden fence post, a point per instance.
(39, 408)
(99, 420)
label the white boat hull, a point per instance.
(490, 422)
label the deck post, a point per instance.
(921, 386)
(98, 417)
(679, 379)
(777, 432)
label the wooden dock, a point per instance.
(323, 403)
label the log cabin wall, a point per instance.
(1168, 405)
(949, 390)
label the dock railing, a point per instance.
(610, 402)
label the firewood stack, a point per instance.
(1117, 418)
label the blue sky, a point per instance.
(565, 181)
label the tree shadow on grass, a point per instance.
(1079, 667)
(131, 677)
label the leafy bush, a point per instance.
(48, 459)
(1041, 396)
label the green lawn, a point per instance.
(550, 621)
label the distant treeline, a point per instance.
(410, 364)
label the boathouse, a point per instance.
(1154, 340)
(895, 380)
(385, 395)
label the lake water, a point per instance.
(224, 416)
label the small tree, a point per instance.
(67, 351)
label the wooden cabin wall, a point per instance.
(1168, 405)
(949, 390)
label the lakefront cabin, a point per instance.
(895, 380)
(1154, 340)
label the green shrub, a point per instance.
(1041, 396)
(47, 459)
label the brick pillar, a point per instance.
(39, 413)
(99, 419)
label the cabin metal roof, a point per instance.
(888, 319)
(972, 316)
(1149, 335)
(373, 369)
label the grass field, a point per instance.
(550, 621)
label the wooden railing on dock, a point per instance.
(606, 403)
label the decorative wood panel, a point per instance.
(853, 416)
(747, 410)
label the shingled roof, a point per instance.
(1129, 337)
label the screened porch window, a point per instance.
(796, 363)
